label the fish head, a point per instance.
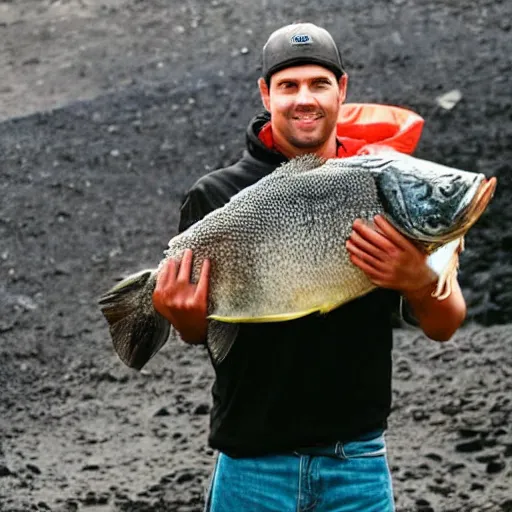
(432, 204)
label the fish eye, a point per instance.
(448, 190)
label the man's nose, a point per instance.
(304, 96)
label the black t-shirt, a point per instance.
(310, 381)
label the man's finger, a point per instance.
(203, 282)
(164, 282)
(372, 236)
(185, 266)
(392, 233)
(363, 255)
(173, 267)
(370, 271)
(357, 240)
(164, 274)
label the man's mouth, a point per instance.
(307, 117)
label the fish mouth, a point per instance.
(480, 202)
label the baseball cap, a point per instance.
(300, 43)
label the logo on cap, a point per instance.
(301, 39)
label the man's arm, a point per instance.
(391, 261)
(439, 319)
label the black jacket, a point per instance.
(304, 382)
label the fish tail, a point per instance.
(138, 331)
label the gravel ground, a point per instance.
(108, 113)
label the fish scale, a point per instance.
(301, 230)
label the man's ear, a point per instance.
(264, 93)
(343, 83)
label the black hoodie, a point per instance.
(310, 381)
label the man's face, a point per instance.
(303, 102)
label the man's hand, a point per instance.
(391, 261)
(182, 302)
(388, 258)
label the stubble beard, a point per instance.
(305, 143)
(310, 141)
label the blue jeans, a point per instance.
(345, 477)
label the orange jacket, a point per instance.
(365, 128)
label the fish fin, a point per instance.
(333, 305)
(282, 317)
(329, 307)
(220, 339)
(138, 331)
(448, 272)
(299, 164)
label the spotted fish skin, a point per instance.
(277, 249)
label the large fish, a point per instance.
(277, 248)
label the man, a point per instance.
(300, 407)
